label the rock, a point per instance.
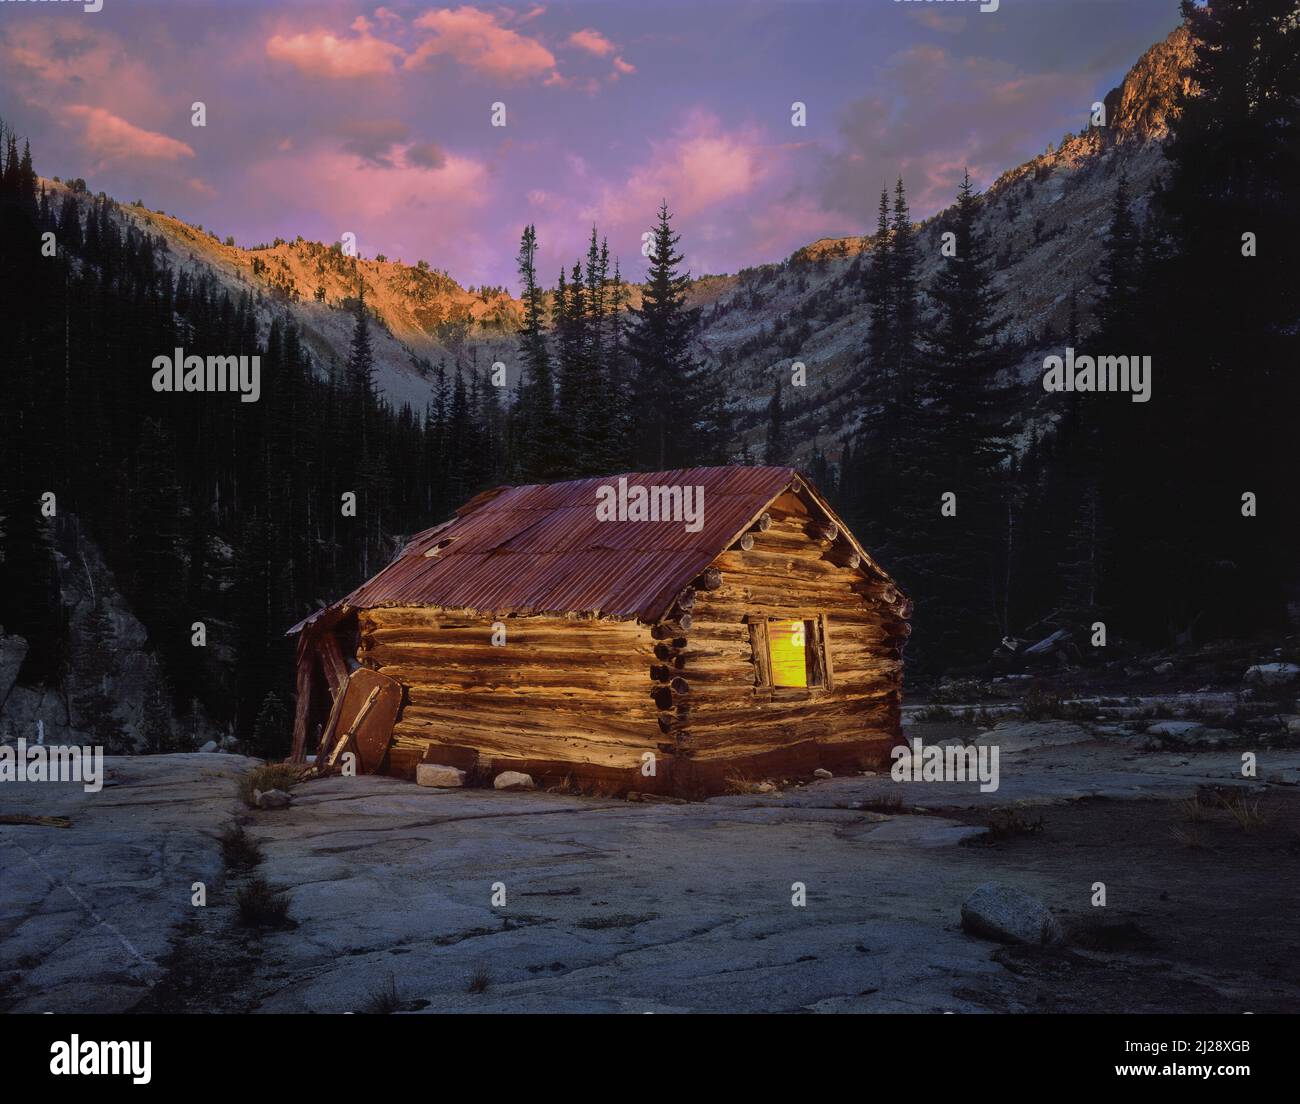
(439, 776)
(1273, 674)
(1293, 724)
(1048, 644)
(765, 787)
(1022, 735)
(514, 780)
(1166, 668)
(210, 746)
(1176, 730)
(1009, 915)
(13, 650)
(1191, 732)
(271, 799)
(822, 772)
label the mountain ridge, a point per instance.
(1049, 214)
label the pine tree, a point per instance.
(271, 731)
(665, 388)
(572, 395)
(156, 735)
(879, 288)
(537, 433)
(1119, 309)
(95, 704)
(904, 346)
(957, 447)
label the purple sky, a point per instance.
(324, 118)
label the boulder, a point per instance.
(209, 747)
(1009, 915)
(822, 772)
(1166, 668)
(271, 799)
(438, 775)
(514, 780)
(1273, 674)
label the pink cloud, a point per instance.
(415, 206)
(59, 61)
(697, 168)
(477, 40)
(321, 54)
(109, 137)
(592, 41)
(713, 178)
(623, 67)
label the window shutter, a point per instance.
(824, 650)
(762, 655)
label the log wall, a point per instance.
(561, 698)
(726, 725)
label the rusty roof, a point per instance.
(541, 549)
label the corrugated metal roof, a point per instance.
(541, 548)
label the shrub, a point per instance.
(261, 905)
(239, 850)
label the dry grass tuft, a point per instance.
(479, 980)
(273, 776)
(383, 1001)
(239, 850)
(262, 906)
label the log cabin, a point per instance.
(670, 632)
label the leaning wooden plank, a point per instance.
(302, 710)
(330, 731)
(343, 745)
(331, 658)
(38, 821)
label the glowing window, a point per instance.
(790, 653)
